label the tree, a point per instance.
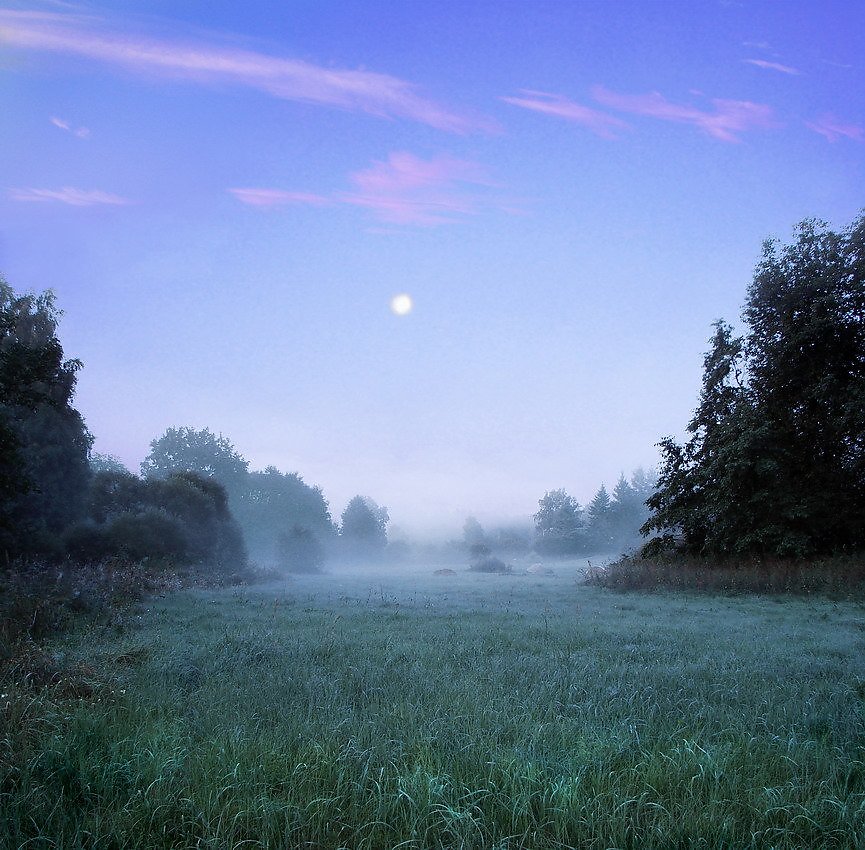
(558, 524)
(100, 462)
(188, 450)
(473, 533)
(183, 518)
(775, 460)
(44, 443)
(600, 525)
(273, 503)
(628, 510)
(300, 551)
(364, 525)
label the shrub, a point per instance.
(151, 534)
(490, 564)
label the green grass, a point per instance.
(414, 711)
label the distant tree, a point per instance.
(105, 463)
(273, 503)
(600, 525)
(558, 524)
(300, 551)
(44, 443)
(473, 533)
(188, 450)
(775, 461)
(628, 510)
(364, 525)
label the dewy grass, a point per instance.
(495, 711)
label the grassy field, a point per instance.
(395, 709)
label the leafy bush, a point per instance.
(490, 564)
(184, 517)
(151, 534)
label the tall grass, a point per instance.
(499, 711)
(839, 576)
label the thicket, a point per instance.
(775, 461)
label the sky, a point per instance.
(226, 197)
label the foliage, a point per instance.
(473, 533)
(775, 461)
(300, 551)
(364, 526)
(184, 517)
(44, 443)
(600, 521)
(558, 524)
(489, 564)
(188, 450)
(273, 503)
(100, 462)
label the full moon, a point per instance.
(401, 305)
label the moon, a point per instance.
(401, 304)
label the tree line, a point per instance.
(773, 464)
(195, 499)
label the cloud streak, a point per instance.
(377, 94)
(79, 132)
(278, 198)
(604, 125)
(70, 196)
(402, 189)
(772, 66)
(725, 122)
(833, 130)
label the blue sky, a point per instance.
(225, 198)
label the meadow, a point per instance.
(398, 708)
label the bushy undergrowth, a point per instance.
(40, 600)
(489, 564)
(841, 576)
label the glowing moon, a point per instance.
(401, 304)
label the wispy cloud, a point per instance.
(773, 66)
(832, 129)
(403, 189)
(606, 126)
(758, 45)
(377, 94)
(726, 121)
(278, 198)
(80, 132)
(69, 195)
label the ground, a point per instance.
(395, 707)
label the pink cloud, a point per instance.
(829, 126)
(377, 94)
(277, 197)
(772, 66)
(403, 189)
(600, 123)
(729, 118)
(80, 132)
(69, 195)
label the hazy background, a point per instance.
(226, 196)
